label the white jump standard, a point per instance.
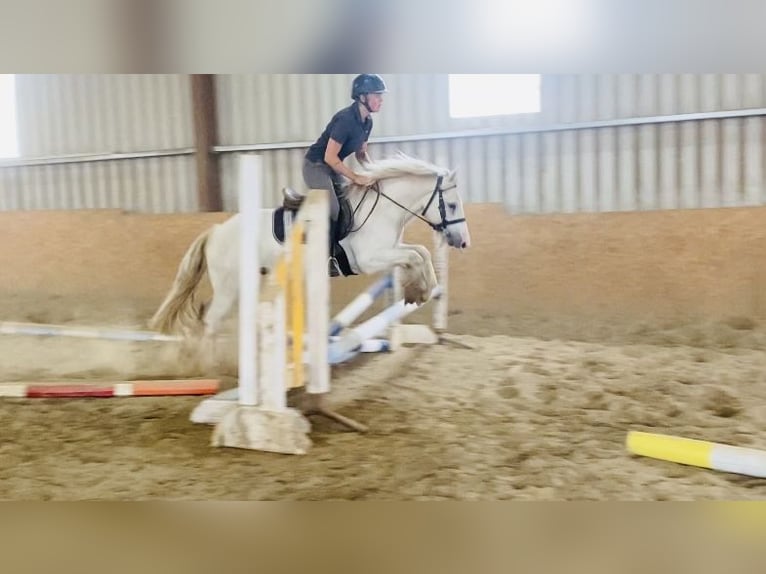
(262, 420)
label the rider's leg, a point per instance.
(334, 268)
(321, 176)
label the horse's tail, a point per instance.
(179, 309)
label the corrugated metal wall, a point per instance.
(68, 114)
(285, 108)
(60, 115)
(155, 185)
(689, 164)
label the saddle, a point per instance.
(291, 203)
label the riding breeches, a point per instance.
(319, 175)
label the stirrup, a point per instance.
(291, 199)
(333, 267)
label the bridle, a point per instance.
(438, 192)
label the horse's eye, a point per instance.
(452, 207)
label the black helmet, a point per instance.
(367, 84)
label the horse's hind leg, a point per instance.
(215, 316)
(223, 275)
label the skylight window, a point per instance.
(482, 95)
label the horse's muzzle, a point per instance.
(457, 240)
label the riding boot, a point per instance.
(333, 230)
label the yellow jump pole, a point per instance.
(703, 454)
(296, 303)
(288, 274)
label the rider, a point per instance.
(347, 132)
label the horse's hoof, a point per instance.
(417, 300)
(413, 295)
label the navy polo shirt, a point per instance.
(347, 128)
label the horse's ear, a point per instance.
(452, 174)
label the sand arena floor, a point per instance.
(525, 413)
(581, 327)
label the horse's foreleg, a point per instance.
(412, 263)
(429, 274)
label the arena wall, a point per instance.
(707, 264)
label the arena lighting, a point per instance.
(9, 143)
(540, 26)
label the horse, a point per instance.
(404, 189)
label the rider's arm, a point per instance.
(331, 158)
(362, 156)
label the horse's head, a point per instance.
(443, 209)
(425, 191)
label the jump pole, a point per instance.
(360, 304)
(48, 330)
(109, 389)
(703, 454)
(352, 343)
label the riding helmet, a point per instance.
(367, 84)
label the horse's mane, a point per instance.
(400, 165)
